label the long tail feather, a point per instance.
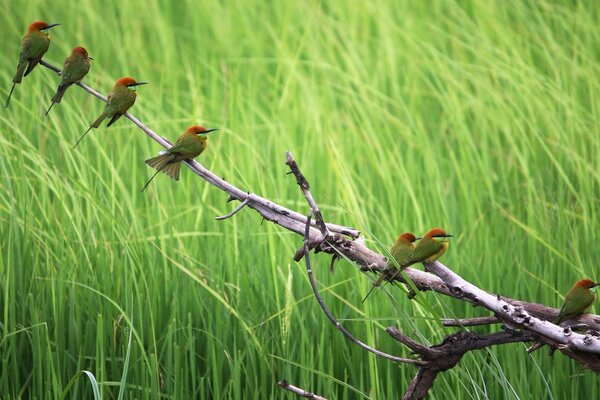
(150, 180)
(10, 95)
(49, 108)
(86, 132)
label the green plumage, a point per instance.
(577, 300)
(34, 45)
(117, 104)
(400, 251)
(75, 67)
(426, 250)
(187, 147)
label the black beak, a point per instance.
(419, 238)
(137, 84)
(448, 235)
(49, 26)
(210, 130)
(91, 58)
(596, 284)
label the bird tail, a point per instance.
(163, 163)
(99, 120)
(82, 136)
(389, 273)
(20, 71)
(60, 92)
(10, 95)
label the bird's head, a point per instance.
(81, 51)
(407, 237)
(587, 284)
(129, 82)
(198, 130)
(40, 26)
(437, 233)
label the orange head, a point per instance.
(40, 26)
(197, 129)
(80, 51)
(587, 283)
(128, 82)
(407, 237)
(436, 232)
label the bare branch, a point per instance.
(471, 321)
(446, 355)
(300, 392)
(238, 208)
(305, 188)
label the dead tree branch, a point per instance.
(300, 392)
(446, 355)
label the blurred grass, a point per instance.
(477, 116)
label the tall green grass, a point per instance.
(481, 117)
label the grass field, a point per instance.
(481, 117)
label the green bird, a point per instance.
(118, 102)
(431, 247)
(579, 298)
(402, 248)
(76, 66)
(34, 45)
(188, 146)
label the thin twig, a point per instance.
(330, 316)
(300, 392)
(471, 321)
(305, 188)
(232, 213)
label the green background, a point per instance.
(478, 116)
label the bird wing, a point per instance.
(401, 252)
(187, 146)
(423, 250)
(25, 49)
(73, 70)
(575, 303)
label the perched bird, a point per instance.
(188, 146)
(33, 46)
(118, 102)
(577, 300)
(400, 251)
(76, 66)
(431, 247)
